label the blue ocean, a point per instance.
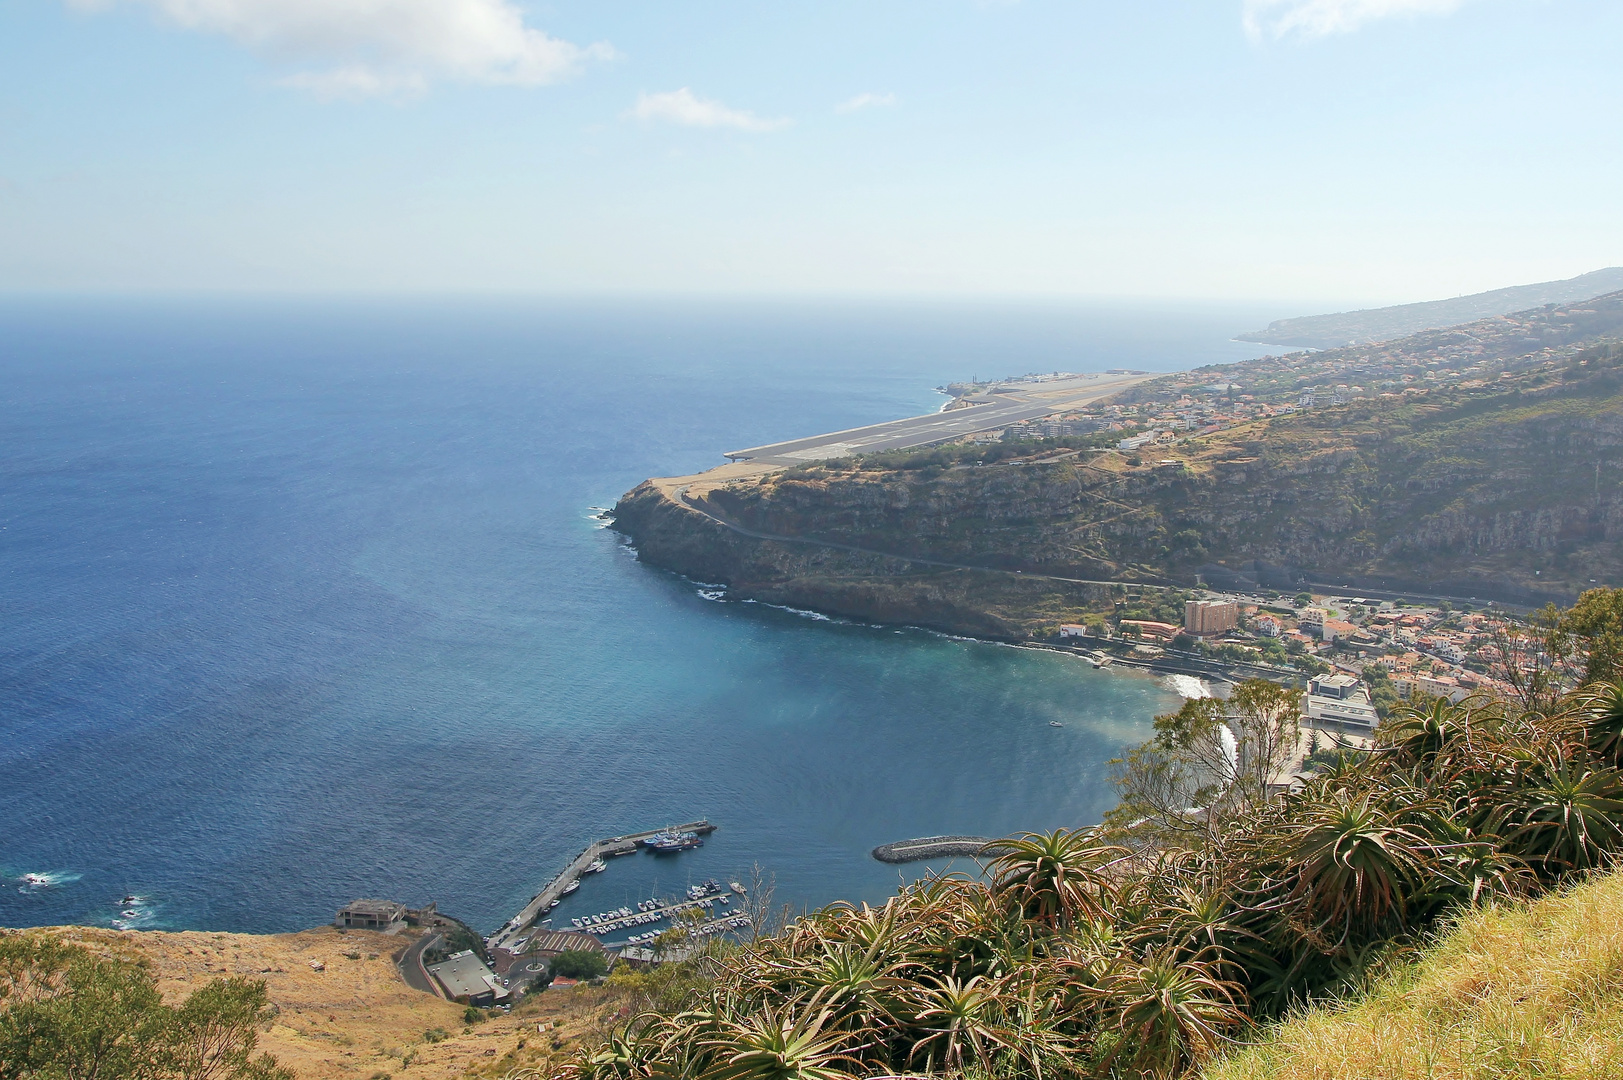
(303, 601)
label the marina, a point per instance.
(592, 860)
(706, 897)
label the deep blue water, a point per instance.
(304, 601)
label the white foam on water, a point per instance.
(1188, 686)
(815, 616)
(36, 880)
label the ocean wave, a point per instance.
(36, 880)
(134, 913)
(804, 613)
(1188, 686)
(603, 516)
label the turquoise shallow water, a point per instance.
(303, 602)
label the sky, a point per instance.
(1321, 153)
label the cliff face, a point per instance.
(867, 585)
(1492, 493)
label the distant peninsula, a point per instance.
(1388, 323)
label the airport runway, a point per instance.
(1005, 404)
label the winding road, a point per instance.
(412, 968)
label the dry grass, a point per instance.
(1534, 990)
(357, 1019)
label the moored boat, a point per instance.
(671, 843)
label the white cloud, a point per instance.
(366, 47)
(682, 107)
(1316, 18)
(865, 101)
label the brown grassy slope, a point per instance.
(1534, 990)
(356, 1018)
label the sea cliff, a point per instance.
(1506, 492)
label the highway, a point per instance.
(1002, 405)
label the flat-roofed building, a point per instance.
(1336, 686)
(466, 978)
(384, 916)
(1148, 628)
(1339, 699)
(1205, 617)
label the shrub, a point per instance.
(70, 1013)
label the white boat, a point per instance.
(571, 887)
(597, 867)
(737, 888)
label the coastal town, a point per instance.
(1416, 650)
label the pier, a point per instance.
(553, 890)
(934, 847)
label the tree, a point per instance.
(1382, 693)
(579, 964)
(1179, 784)
(1266, 719)
(1595, 626)
(1209, 761)
(1534, 658)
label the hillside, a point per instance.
(1512, 991)
(1505, 488)
(355, 1018)
(1384, 324)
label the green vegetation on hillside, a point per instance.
(458, 937)
(69, 1014)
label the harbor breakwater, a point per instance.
(937, 847)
